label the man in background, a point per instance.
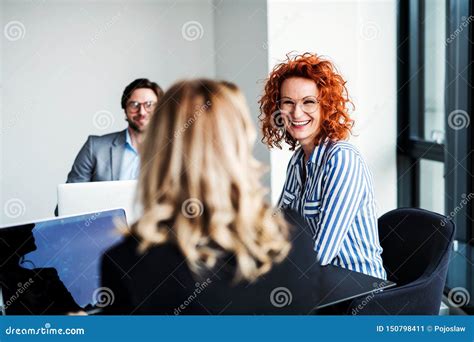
(114, 156)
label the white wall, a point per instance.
(360, 37)
(241, 56)
(73, 61)
(74, 58)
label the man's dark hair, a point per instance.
(139, 84)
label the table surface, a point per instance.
(336, 284)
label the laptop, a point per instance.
(52, 266)
(78, 198)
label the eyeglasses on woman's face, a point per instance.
(308, 104)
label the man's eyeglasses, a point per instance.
(134, 106)
(309, 104)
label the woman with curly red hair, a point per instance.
(306, 105)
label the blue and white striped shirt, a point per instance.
(337, 201)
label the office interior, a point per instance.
(408, 66)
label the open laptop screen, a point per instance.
(53, 266)
(77, 198)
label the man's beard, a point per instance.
(134, 126)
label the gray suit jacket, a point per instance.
(99, 159)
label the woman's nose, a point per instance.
(297, 112)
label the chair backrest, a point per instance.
(417, 246)
(414, 242)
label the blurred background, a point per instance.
(64, 65)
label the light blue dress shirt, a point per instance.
(130, 166)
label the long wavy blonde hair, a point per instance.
(199, 182)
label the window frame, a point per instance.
(456, 151)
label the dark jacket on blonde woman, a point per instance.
(207, 243)
(159, 282)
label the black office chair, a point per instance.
(416, 247)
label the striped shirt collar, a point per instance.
(316, 156)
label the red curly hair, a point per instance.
(335, 122)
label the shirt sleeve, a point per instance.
(341, 196)
(280, 203)
(289, 187)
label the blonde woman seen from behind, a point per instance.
(207, 243)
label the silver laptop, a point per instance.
(78, 198)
